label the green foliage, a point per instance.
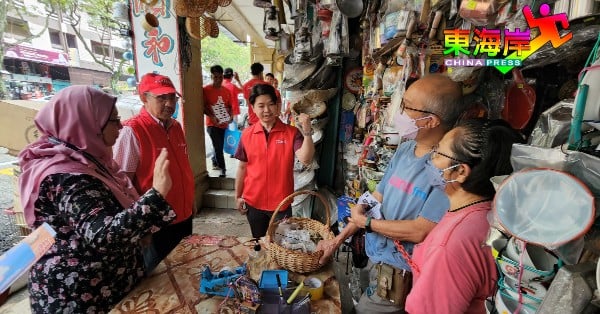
(223, 51)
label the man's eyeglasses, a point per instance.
(115, 120)
(163, 99)
(435, 153)
(403, 107)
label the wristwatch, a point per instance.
(368, 225)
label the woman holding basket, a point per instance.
(266, 153)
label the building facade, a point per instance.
(56, 58)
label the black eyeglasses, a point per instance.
(163, 99)
(403, 107)
(434, 153)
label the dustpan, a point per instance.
(519, 102)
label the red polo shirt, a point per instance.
(252, 118)
(270, 163)
(234, 90)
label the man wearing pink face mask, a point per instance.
(411, 204)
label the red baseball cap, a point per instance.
(156, 84)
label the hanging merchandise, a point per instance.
(327, 5)
(149, 22)
(333, 47)
(271, 25)
(391, 76)
(590, 75)
(520, 102)
(300, 6)
(214, 27)
(479, 12)
(553, 125)
(263, 3)
(303, 45)
(353, 80)
(324, 16)
(224, 3)
(295, 74)
(350, 8)
(389, 24)
(188, 8)
(211, 6)
(194, 27)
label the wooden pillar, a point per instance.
(193, 121)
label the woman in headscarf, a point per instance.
(453, 270)
(70, 181)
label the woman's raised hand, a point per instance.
(162, 179)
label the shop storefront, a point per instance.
(349, 68)
(34, 73)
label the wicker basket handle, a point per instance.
(291, 197)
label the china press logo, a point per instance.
(508, 51)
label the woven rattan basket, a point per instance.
(192, 8)
(295, 261)
(211, 6)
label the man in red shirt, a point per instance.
(217, 108)
(256, 69)
(137, 147)
(231, 81)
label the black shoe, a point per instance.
(222, 174)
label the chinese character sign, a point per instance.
(505, 49)
(156, 49)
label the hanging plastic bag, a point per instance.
(232, 138)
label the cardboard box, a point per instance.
(16, 123)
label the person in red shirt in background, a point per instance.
(231, 81)
(256, 69)
(218, 111)
(270, 78)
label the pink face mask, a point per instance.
(407, 126)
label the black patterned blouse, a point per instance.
(96, 259)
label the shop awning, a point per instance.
(37, 55)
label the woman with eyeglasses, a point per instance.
(70, 181)
(453, 269)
